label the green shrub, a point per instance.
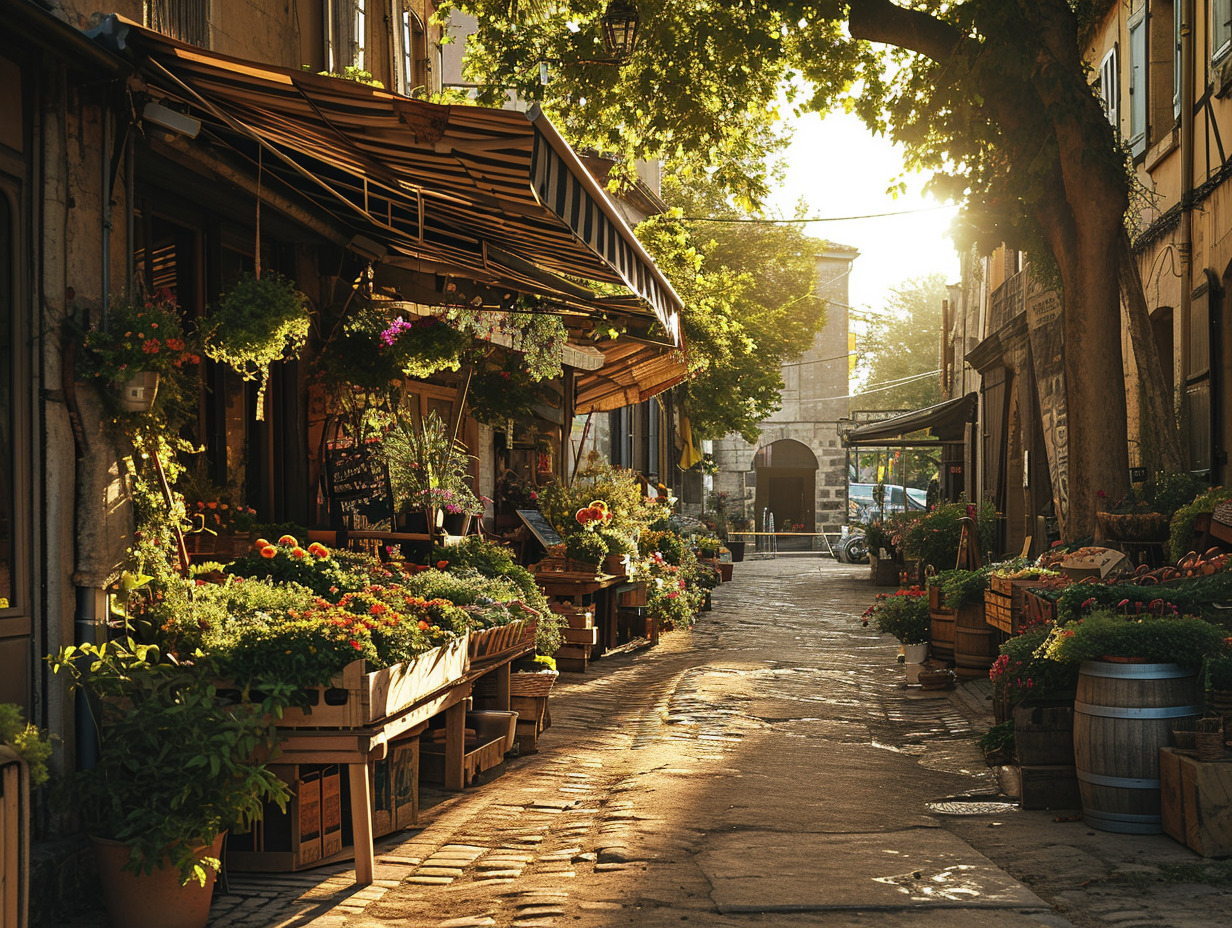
(1184, 640)
(1181, 534)
(934, 536)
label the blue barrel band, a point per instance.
(1124, 824)
(1134, 671)
(1127, 712)
(1098, 779)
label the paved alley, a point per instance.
(768, 767)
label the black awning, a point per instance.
(946, 421)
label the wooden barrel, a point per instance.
(1123, 715)
(941, 634)
(976, 643)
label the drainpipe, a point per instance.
(86, 619)
(1187, 170)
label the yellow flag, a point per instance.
(689, 455)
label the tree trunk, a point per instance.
(1060, 163)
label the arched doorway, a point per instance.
(787, 486)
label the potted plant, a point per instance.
(1181, 529)
(258, 321)
(142, 342)
(428, 472)
(933, 537)
(177, 768)
(1146, 517)
(903, 614)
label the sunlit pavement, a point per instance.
(768, 767)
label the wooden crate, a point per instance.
(572, 658)
(580, 636)
(635, 597)
(14, 838)
(1037, 609)
(331, 810)
(284, 841)
(359, 698)
(1196, 801)
(488, 751)
(998, 611)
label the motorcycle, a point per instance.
(853, 549)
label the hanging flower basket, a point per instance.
(138, 392)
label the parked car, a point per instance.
(862, 506)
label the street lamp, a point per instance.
(620, 29)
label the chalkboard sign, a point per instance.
(540, 527)
(360, 498)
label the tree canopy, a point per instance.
(901, 345)
(991, 95)
(748, 303)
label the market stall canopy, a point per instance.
(946, 422)
(444, 189)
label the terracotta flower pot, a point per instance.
(156, 899)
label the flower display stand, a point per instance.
(323, 736)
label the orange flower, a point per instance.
(441, 565)
(316, 549)
(423, 625)
(288, 540)
(269, 551)
(299, 552)
(260, 543)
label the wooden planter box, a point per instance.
(488, 644)
(360, 698)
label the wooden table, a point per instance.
(602, 589)
(355, 747)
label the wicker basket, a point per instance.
(1209, 744)
(531, 684)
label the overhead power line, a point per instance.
(881, 389)
(901, 212)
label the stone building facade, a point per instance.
(797, 470)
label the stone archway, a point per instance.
(787, 486)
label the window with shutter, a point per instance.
(1110, 87)
(1221, 29)
(1137, 85)
(186, 20)
(346, 21)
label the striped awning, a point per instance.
(454, 188)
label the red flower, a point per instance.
(356, 645)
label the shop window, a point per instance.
(186, 20)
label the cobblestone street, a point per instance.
(768, 767)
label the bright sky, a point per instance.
(839, 168)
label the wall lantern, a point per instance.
(620, 29)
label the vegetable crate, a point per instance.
(359, 698)
(1004, 603)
